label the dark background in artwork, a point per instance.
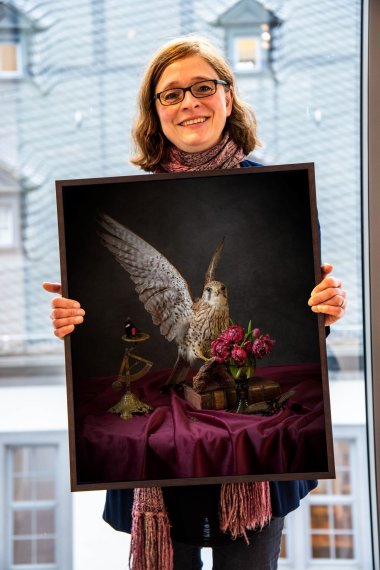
(267, 262)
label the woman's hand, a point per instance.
(66, 313)
(328, 297)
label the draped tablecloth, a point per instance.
(178, 441)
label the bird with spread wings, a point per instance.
(192, 324)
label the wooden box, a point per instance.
(212, 399)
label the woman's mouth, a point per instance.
(193, 121)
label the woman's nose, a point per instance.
(189, 100)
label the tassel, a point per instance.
(244, 506)
(151, 547)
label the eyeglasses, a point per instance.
(199, 90)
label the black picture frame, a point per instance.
(270, 263)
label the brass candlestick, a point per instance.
(130, 404)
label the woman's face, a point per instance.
(194, 125)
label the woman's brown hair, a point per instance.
(151, 144)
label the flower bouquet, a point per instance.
(238, 350)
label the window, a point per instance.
(32, 504)
(334, 522)
(13, 26)
(250, 51)
(309, 108)
(36, 503)
(331, 529)
(331, 518)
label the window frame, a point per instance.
(235, 38)
(254, 31)
(371, 248)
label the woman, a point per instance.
(191, 118)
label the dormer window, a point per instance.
(248, 28)
(13, 28)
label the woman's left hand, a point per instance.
(328, 297)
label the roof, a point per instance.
(246, 12)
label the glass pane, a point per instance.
(324, 488)
(308, 108)
(342, 483)
(22, 489)
(247, 50)
(8, 57)
(342, 517)
(319, 516)
(45, 522)
(22, 522)
(45, 489)
(44, 459)
(21, 459)
(22, 552)
(344, 547)
(342, 453)
(320, 545)
(46, 551)
(283, 551)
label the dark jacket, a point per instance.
(193, 510)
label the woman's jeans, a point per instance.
(261, 554)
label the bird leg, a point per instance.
(179, 372)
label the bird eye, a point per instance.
(223, 288)
(208, 289)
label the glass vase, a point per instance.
(241, 375)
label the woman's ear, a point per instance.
(229, 97)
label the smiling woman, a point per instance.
(197, 123)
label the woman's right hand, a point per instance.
(66, 313)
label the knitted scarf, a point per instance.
(243, 506)
(225, 154)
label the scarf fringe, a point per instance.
(244, 506)
(151, 547)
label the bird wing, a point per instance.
(161, 288)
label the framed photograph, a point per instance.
(152, 259)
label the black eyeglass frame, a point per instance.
(184, 89)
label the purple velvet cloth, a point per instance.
(177, 441)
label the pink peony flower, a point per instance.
(239, 354)
(234, 333)
(262, 346)
(256, 333)
(220, 350)
(269, 341)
